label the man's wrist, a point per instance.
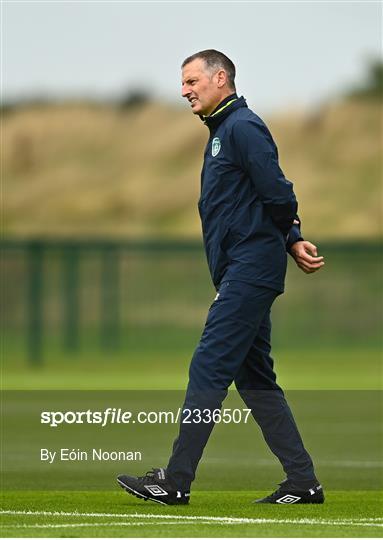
(294, 246)
(291, 241)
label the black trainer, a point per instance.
(288, 493)
(154, 486)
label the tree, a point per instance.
(372, 88)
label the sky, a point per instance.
(287, 54)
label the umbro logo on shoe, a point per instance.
(288, 499)
(156, 490)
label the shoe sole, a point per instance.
(286, 504)
(137, 494)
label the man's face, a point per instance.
(202, 89)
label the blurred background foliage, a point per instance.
(131, 169)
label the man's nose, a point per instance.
(185, 91)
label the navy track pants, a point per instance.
(235, 346)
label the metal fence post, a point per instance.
(71, 297)
(110, 297)
(35, 302)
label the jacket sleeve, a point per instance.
(294, 235)
(256, 153)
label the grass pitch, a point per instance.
(210, 514)
(327, 343)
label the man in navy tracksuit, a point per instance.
(249, 220)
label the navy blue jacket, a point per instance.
(247, 206)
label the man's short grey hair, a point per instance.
(215, 60)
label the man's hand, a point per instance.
(306, 256)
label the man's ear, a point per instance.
(221, 78)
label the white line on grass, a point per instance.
(207, 522)
(369, 519)
(103, 524)
(359, 522)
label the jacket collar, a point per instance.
(227, 106)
